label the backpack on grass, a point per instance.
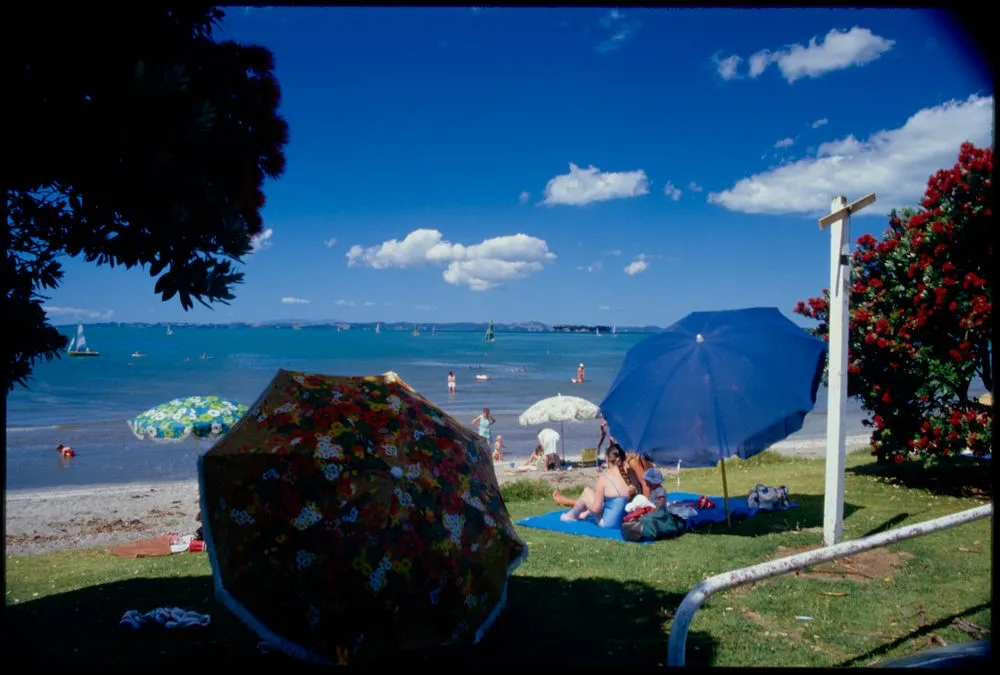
(654, 526)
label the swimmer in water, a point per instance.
(65, 451)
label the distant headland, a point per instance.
(392, 326)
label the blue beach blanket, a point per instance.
(738, 510)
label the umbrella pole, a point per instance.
(725, 493)
(562, 440)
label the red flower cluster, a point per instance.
(921, 311)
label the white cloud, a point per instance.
(604, 308)
(819, 123)
(580, 187)
(369, 303)
(727, 67)
(785, 143)
(637, 266)
(620, 31)
(694, 187)
(483, 266)
(344, 303)
(523, 197)
(262, 241)
(672, 191)
(330, 243)
(893, 163)
(595, 266)
(837, 50)
(92, 314)
(289, 300)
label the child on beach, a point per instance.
(657, 493)
(498, 448)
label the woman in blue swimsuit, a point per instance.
(485, 423)
(606, 501)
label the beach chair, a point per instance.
(588, 457)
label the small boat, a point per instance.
(482, 377)
(378, 329)
(490, 334)
(170, 331)
(597, 331)
(614, 331)
(434, 331)
(78, 345)
(137, 355)
(416, 332)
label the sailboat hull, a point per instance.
(83, 353)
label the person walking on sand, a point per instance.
(485, 422)
(451, 382)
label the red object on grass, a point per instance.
(705, 503)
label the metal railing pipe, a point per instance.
(696, 597)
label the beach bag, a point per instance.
(654, 526)
(768, 498)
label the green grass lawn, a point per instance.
(587, 600)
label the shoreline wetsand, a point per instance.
(53, 519)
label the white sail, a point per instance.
(378, 328)
(81, 341)
(170, 330)
(597, 331)
(614, 331)
(72, 341)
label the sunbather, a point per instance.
(606, 501)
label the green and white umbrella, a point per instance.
(201, 416)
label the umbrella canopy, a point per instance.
(201, 416)
(351, 515)
(560, 409)
(715, 384)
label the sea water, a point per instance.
(85, 402)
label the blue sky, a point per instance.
(574, 165)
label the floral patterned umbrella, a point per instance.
(348, 517)
(201, 416)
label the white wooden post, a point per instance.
(839, 222)
(836, 453)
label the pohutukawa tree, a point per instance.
(920, 318)
(133, 138)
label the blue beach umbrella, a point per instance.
(200, 416)
(714, 385)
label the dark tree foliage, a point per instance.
(134, 138)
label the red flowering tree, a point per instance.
(920, 318)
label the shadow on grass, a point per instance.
(887, 525)
(547, 621)
(961, 478)
(912, 635)
(808, 514)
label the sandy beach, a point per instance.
(47, 520)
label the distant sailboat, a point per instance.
(597, 331)
(434, 331)
(170, 331)
(378, 329)
(416, 332)
(614, 331)
(490, 335)
(78, 345)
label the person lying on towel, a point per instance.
(607, 500)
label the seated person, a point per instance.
(638, 463)
(607, 500)
(531, 464)
(657, 493)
